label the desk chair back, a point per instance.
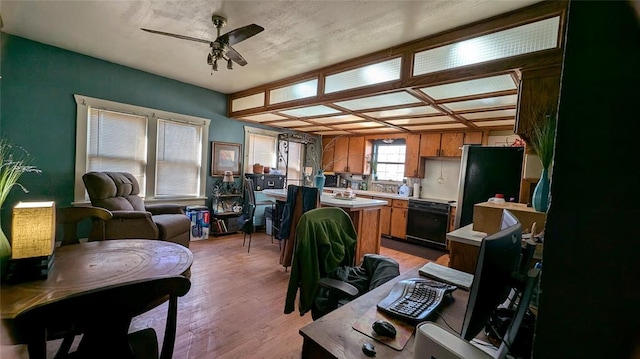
(70, 218)
(104, 316)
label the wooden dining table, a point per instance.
(87, 266)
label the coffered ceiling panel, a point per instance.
(421, 120)
(471, 87)
(407, 111)
(264, 117)
(358, 125)
(465, 79)
(379, 101)
(490, 114)
(490, 102)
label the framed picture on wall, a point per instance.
(225, 157)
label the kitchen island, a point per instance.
(364, 213)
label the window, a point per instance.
(294, 166)
(389, 159)
(261, 147)
(164, 151)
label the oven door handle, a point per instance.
(429, 211)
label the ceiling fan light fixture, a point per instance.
(215, 65)
(209, 60)
(229, 64)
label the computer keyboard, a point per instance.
(415, 299)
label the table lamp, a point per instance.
(33, 233)
(228, 179)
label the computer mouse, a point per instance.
(369, 349)
(384, 328)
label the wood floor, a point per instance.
(235, 308)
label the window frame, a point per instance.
(85, 103)
(381, 143)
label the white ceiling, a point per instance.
(299, 35)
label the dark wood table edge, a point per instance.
(312, 349)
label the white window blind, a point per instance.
(262, 150)
(117, 142)
(294, 170)
(164, 151)
(178, 158)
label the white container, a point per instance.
(269, 226)
(416, 190)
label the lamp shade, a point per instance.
(33, 229)
(228, 177)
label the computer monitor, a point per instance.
(508, 219)
(498, 259)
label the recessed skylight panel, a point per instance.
(471, 87)
(378, 101)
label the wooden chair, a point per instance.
(104, 316)
(70, 218)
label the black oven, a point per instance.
(428, 222)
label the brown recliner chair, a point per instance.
(119, 193)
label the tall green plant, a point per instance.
(543, 140)
(15, 162)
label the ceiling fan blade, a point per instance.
(235, 36)
(235, 56)
(177, 36)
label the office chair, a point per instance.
(103, 316)
(323, 268)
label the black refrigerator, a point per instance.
(484, 172)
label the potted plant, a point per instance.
(14, 162)
(542, 143)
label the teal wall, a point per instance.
(38, 111)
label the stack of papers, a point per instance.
(447, 275)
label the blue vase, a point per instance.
(319, 181)
(540, 200)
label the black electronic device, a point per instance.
(384, 328)
(493, 279)
(414, 299)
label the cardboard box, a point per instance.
(486, 216)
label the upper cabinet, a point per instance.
(446, 144)
(414, 165)
(347, 154)
(328, 150)
(473, 138)
(538, 97)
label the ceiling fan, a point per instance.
(221, 47)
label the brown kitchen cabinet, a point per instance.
(348, 154)
(385, 217)
(473, 138)
(399, 218)
(538, 97)
(444, 144)
(414, 165)
(328, 150)
(452, 218)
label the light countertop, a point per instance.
(466, 235)
(328, 200)
(378, 194)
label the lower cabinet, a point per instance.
(399, 218)
(385, 217)
(452, 218)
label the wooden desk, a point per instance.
(333, 337)
(83, 267)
